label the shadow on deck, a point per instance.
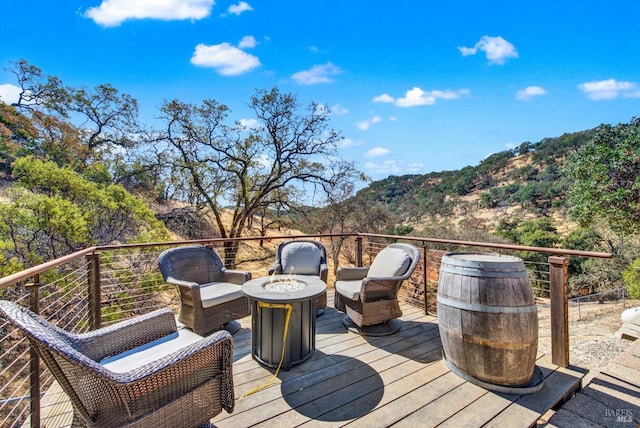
(397, 380)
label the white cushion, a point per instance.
(389, 262)
(349, 289)
(215, 293)
(152, 351)
(300, 258)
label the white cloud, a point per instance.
(418, 97)
(609, 89)
(413, 167)
(262, 160)
(111, 13)
(250, 123)
(366, 124)
(376, 152)
(338, 110)
(322, 109)
(237, 9)
(449, 94)
(386, 167)
(384, 98)
(226, 59)
(393, 167)
(248, 42)
(530, 91)
(497, 49)
(467, 51)
(348, 142)
(317, 74)
(9, 93)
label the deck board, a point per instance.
(480, 412)
(370, 382)
(559, 385)
(444, 407)
(397, 380)
(610, 399)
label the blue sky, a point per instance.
(413, 86)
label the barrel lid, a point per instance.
(483, 257)
(483, 261)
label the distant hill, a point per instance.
(525, 182)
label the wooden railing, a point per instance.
(100, 285)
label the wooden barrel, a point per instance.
(487, 317)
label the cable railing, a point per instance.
(100, 285)
(599, 297)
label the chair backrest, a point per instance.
(301, 257)
(74, 371)
(191, 263)
(396, 261)
(43, 332)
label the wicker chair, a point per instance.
(210, 294)
(139, 372)
(369, 295)
(303, 257)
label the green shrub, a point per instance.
(631, 277)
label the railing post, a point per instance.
(559, 284)
(425, 265)
(359, 251)
(94, 296)
(34, 358)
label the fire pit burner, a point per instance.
(284, 285)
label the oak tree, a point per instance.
(285, 156)
(606, 178)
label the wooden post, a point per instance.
(559, 284)
(34, 358)
(359, 251)
(94, 295)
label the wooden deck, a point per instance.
(397, 380)
(611, 399)
(371, 382)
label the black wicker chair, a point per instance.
(303, 257)
(137, 373)
(210, 294)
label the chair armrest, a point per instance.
(181, 282)
(324, 272)
(171, 376)
(275, 269)
(375, 288)
(351, 273)
(125, 335)
(237, 277)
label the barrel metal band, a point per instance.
(535, 384)
(486, 308)
(484, 273)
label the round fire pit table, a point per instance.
(272, 299)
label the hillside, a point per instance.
(525, 182)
